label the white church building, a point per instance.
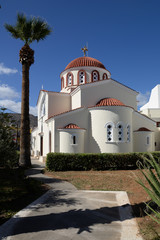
(94, 113)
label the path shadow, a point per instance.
(82, 220)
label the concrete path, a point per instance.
(65, 213)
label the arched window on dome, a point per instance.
(95, 76)
(81, 77)
(120, 131)
(128, 133)
(69, 80)
(110, 126)
(105, 76)
(62, 82)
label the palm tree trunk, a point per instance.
(25, 160)
(26, 57)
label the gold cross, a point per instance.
(84, 50)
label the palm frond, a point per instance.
(29, 30)
(155, 165)
(40, 30)
(21, 19)
(157, 214)
(153, 178)
(151, 193)
(12, 30)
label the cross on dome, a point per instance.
(85, 49)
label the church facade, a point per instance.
(92, 113)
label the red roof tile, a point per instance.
(85, 62)
(109, 102)
(73, 126)
(143, 129)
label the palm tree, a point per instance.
(28, 30)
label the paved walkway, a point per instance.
(65, 213)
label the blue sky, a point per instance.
(123, 34)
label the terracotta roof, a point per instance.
(72, 126)
(109, 102)
(85, 62)
(143, 129)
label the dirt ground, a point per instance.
(121, 180)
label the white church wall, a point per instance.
(152, 113)
(78, 117)
(35, 143)
(145, 112)
(42, 105)
(157, 140)
(76, 99)
(92, 93)
(58, 103)
(66, 142)
(114, 115)
(142, 121)
(154, 101)
(45, 139)
(53, 136)
(144, 141)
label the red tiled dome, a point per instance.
(85, 62)
(109, 102)
(143, 129)
(73, 126)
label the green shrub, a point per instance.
(89, 161)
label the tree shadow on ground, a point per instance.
(80, 219)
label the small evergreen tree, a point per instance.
(8, 153)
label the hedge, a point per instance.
(89, 161)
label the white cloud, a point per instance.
(11, 105)
(16, 106)
(143, 98)
(9, 97)
(7, 92)
(6, 70)
(33, 110)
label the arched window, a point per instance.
(148, 140)
(105, 76)
(74, 139)
(120, 132)
(41, 126)
(50, 141)
(81, 77)
(109, 127)
(69, 80)
(95, 76)
(128, 133)
(43, 107)
(62, 83)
